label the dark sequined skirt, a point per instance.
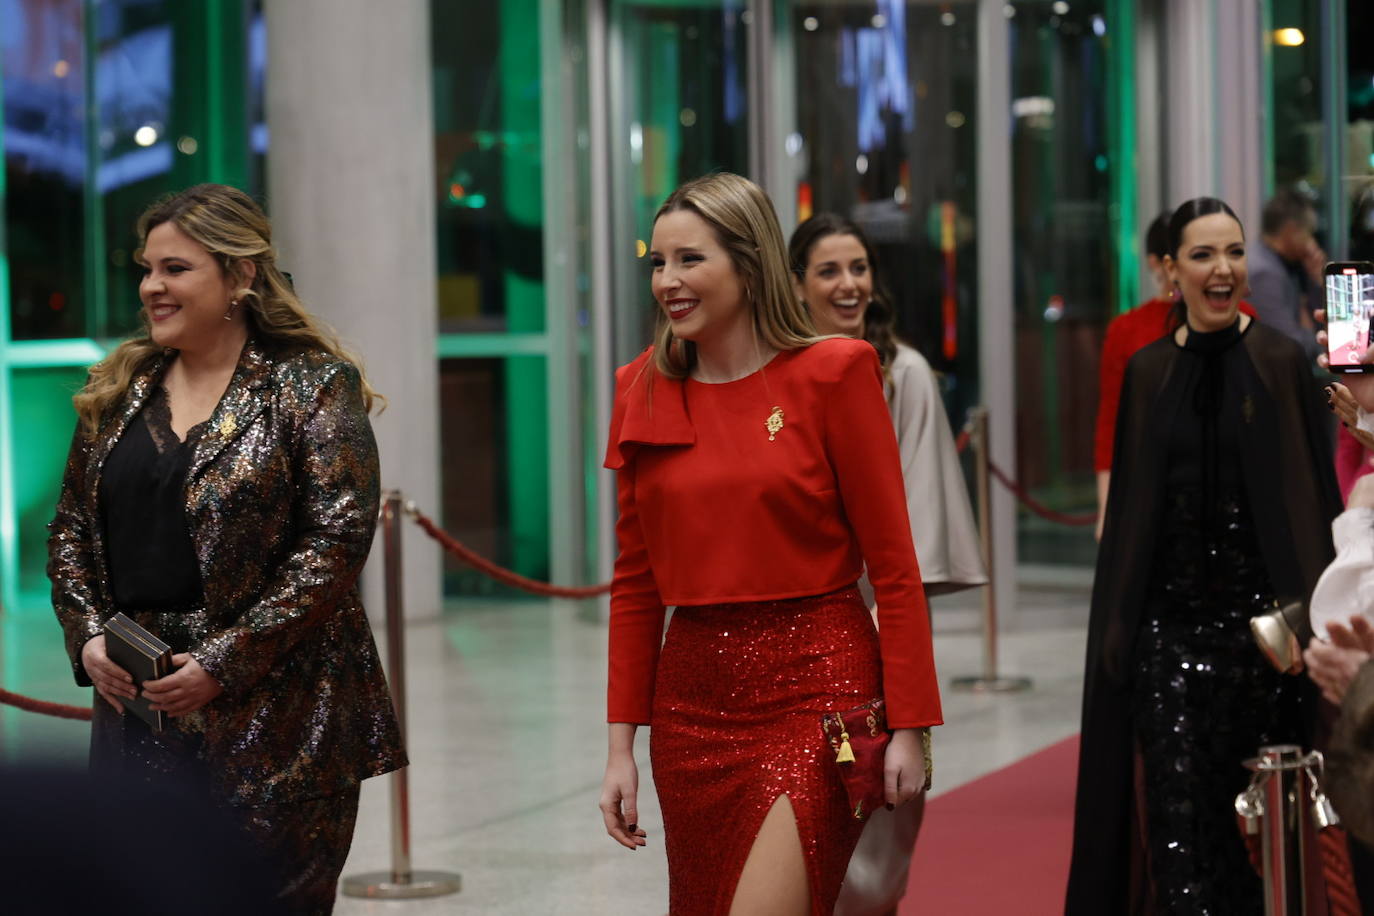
(302, 845)
(1204, 700)
(736, 725)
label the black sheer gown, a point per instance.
(1204, 698)
(1221, 500)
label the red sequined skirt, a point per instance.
(736, 724)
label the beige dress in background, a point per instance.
(950, 558)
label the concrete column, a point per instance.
(996, 318)
(351, 194)
(1213, 104)
(1150, 130)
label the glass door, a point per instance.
(678, 109)
(884, 133)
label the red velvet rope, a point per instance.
(500, 574)
(1030, 502)
(1254, 847)
(1341, 897)
(29, 704)
(1039, 508)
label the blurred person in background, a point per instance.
(835, 275)
(1285, 269)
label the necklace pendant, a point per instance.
(774, 423)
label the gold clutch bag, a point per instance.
(1279, 634)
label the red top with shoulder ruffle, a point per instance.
(712, 511)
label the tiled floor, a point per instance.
(507, 742)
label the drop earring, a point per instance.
(229, 314)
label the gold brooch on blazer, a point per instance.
(774, 423)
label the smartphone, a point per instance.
(1349, 304)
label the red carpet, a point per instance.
(999, 845)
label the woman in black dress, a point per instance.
(1221, 504)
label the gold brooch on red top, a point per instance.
(774, 423)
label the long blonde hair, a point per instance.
(746, 226)
(229, 225)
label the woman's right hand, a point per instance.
(620, 800)
(111, 681)
(1359, 386)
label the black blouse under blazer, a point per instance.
(281, 502)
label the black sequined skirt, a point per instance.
(1204, 700)
(302, 845)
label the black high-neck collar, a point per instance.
(1212, 341)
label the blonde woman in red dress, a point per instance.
(757, 473)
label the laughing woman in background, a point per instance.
(835, 273)
(1221, 500)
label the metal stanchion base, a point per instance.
(382, 885)
(980, 684)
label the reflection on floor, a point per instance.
(507, 742)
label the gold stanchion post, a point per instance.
(401, 882)
(989, 681)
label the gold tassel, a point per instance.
(846, 753)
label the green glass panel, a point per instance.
(526, 380)
(492, 290)
(1121, 139)
(1067, 227)
(201, 132)
(43, 421)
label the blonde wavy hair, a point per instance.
(229, 225)
(747, 228)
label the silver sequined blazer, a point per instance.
(281, 503)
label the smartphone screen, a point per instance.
(1349, 303)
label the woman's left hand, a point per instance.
(183, 691)
(904, 767)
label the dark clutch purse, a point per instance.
(145, 657)
(859, 741)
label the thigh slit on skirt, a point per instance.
(736, 724)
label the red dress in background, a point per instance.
(1126, 334)
(757, 543)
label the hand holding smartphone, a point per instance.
(1349, 306)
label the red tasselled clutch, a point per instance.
(858, 738)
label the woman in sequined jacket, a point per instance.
(222, 491)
